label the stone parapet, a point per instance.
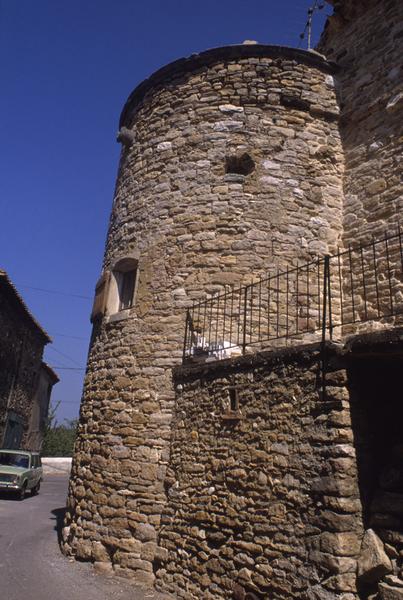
(209, 57)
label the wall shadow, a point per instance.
(375, 383)
(59, 519)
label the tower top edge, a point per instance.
(190, 63)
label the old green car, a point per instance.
(20, 471)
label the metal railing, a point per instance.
(303, 303)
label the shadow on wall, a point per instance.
(377, 421)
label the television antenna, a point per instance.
(316, 6)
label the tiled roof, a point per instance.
(4, 278)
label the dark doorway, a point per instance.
(377, 419)
(14, 431)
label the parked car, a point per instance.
(20, 472)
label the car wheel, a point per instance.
(36, 488)
(22, 491)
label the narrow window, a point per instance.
(126, 288)
(233, 399)
(123, 284)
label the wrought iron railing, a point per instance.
(310, 301)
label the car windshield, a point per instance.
(14, 460)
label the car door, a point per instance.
(40, 468)
(35, 470)
(31, 473)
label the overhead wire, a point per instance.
(72, 337)
(64, 355)
(69, 401)
(59, 367)
(58, 292)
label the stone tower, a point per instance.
(231, 164)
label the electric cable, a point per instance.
(64, 355)
(58, 292)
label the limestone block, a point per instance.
(65, 533)
(164, 146)
(391, 536)
(228, 125)
(161, 554)
(336, 486)
(230, 108)
(104, 568)
(340, 544)
(145, 577)
(99, 553)
(395, 103)
(83, 549)
(317, 592)
(145, 532)
(376, 186)
(126, 136)
(345, 582)
(334, 564)
(334, 521)
(393, 581)
(387, 592)
(373, 562)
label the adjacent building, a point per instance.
(25, 380)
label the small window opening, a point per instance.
(239, 164)
(233, 399)
(125, 272)
(126, 289)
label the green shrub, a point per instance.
(59, 439)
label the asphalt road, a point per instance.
(31, 564)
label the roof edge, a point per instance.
(51, 372)
(208, 57)
(4, 276)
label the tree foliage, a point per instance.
(59, 438)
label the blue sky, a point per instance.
(67, 67)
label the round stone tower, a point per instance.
(231, 164)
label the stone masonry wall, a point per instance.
(196, 226)
(233, 165)
(263, 499)
(365, 40)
